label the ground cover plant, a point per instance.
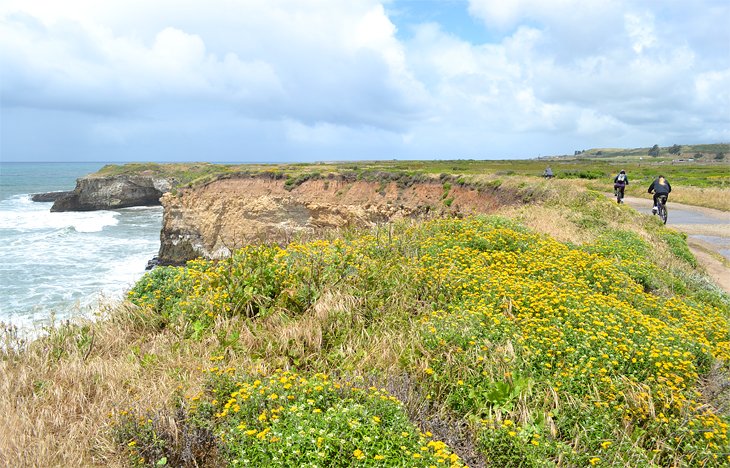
(571, 331)
(551, 353)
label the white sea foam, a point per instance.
(20, 213)
(64, 264)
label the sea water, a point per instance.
(62, 265)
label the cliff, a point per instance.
(110, 192)
(211, 220)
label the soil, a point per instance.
(214, 219)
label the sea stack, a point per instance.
(112, 192)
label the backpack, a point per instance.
(621, 178)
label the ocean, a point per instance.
(56, 266)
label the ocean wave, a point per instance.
(40, 236)
(65, 264)
(29, 218)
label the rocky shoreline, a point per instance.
(47, 197)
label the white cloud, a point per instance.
(713, 97)
(640, 29)
(68, 66)
(303, 66)
(328, 78)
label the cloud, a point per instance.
(331, 79)
(507, 13)
(67, 66)
(350, 70)
(630, 71)
(640, 29)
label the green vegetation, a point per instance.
(182, 173)
(664, 153)
(548, 352)
(293, 182)
(446, 342)
(677, 243)
(706, 170)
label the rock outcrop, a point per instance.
(49, 196)
(211, 220)
(111, 192)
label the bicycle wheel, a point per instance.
(663, 212)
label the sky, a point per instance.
(332, 80)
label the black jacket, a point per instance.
(659, 188)
(626, 180)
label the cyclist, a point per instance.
(661, 188)
(619, 183)
(548, 174)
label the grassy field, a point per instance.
(567, 332)
(704, 181)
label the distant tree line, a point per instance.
(655, 150)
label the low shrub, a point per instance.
(290, 419)
(677, 243)
(550, 353)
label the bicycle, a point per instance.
(661, 208)
(619, 192)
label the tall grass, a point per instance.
(59, 395)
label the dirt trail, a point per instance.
(708, 235)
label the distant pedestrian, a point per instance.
(548, 174)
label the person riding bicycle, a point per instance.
(548, 174)
(661, 188)
(620, 182)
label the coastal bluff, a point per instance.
(213, 219)
(210, 210)
(94, 192)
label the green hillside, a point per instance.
(700, 152)
(549, 352)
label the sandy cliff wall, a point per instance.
(210, 220)
(103, 193)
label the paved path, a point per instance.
(708, 234)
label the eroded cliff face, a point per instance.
(211, 220)
(111, 192)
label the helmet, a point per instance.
(623, 172)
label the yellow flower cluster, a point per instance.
(570, 318)
(568, 342)
(304, 417)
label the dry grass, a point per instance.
(336, 325)
(717, 198)
(547, 220)
(59, 397)
(708, 197)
